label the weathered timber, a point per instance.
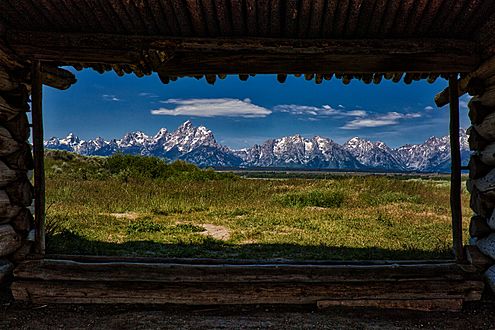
(487, 155)
(455, 175)
(7, 112)
(475, 86)
(426, 305)
(23, 252)
(235, 293)
(7, 210)
(7, 175)
(478, 227)
(246, 55)
(477, 168)
(66, 270)
(22, 159)
(488, 97)
(9, 240)
(18, 127)
(475, 140)
(476, 258)
(8, 144)
(487, 127)
(484, 71)
(478, 111)
(6, 268)
(6, 82)
(490, 221)
(23, 221)
(490, 278)
(487, 245)
(57, 77)
(38, 155)
(480, 204)
(20, 192)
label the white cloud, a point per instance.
(221, 107)
(107, 97)
(148, 95)
(324, 110)
(377, 120)
(429, 108)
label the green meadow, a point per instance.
(141, 206)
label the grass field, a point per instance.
(131, 209)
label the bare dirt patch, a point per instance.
(217, 232)
(125, 215)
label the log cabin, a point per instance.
(366, 40)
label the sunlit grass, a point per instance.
(344, 217)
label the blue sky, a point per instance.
(241, 114)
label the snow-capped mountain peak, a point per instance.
(198, 145)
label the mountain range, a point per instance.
(197, 145)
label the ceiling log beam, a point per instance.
(247, 55)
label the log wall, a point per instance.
(481, 183)
(16, 190)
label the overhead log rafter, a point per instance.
(245, 55)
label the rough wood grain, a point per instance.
(169, 272)
(426, 305)
(487, 127)
(57, 77)
(477, 111)
(478, 227)
(20, 192)
(8, 144)
(237, 293)
(477, 168)
(371, 55)
(7, 175)
(6, 268)
(487, 245)
(21, 160)
(22, 222)
(477, 259)
(488, 155)
(7, 210)
(475, 140)
(9, 240)
(7, 111)
(488, 97)
(6, 82)
(18, 127)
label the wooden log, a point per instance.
(6, 82)
(477, 111)
(7, 176)
(480, 204)
(7, 210)
(18, 127)
(490, 221)
(235, 293)
(6, 268)
(490, 278)
(22, 159)
(477, 168)
(487, 245)
(9, 240)
(66, 270)
(57, 77)
(425, 305)
(488, 97)
(475, 86)
(484, 71)
(23, 252)
(487, 127)
(487, 155)
(8, 144)
(478, 227)
(7, 112)
(475, 140)
(20, 192)
(476, 258)
(23, 221)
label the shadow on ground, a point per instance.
(72, 243)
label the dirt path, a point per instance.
(475, 316)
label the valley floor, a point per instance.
(340, 217)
